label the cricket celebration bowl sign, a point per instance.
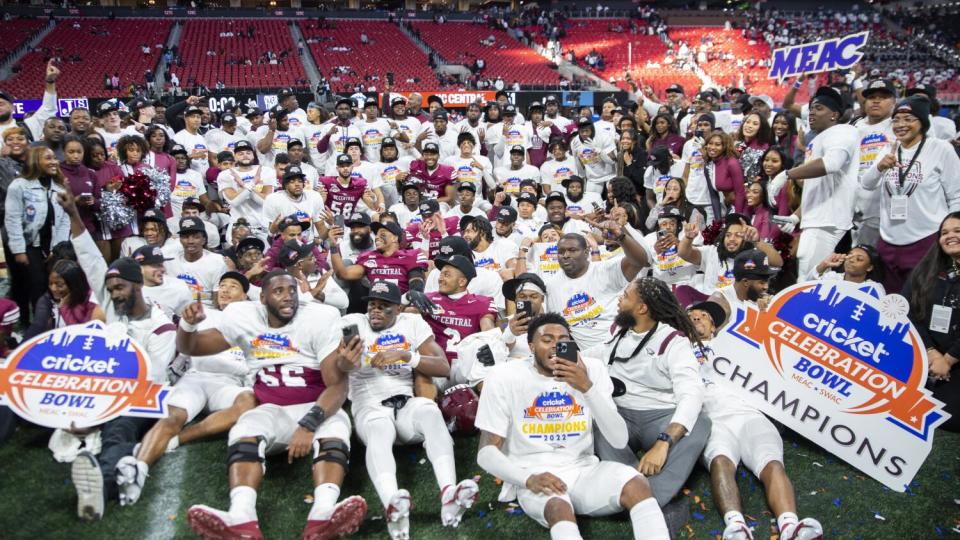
(80, 376)
(843, 367)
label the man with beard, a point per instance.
(188, 183)
(337, 131)
(579, 201)
(48, 109)
(488, 252)
(392, 170)
(54, 130)
(752, 272)
(437, 179)
(198, 268)
(119, 291)
(213, 383)
(360, 239)
(552, 113)
(343, 193)
(469, 165)
(558, 477)
(80, 122)
(398, 350)
(408, 209)
(444, 137)
(361, 169)
(516, 171)
(288, 100)
(373, 130)
(192, 207)
(249, 256)
(246, 187)
(294, 352)
(584, 292)
(408, 128)
(541, 130)
(716, 261)
(272, 139)
(170, 295)
(313, 131)
(556, 204)
(294, 199)
(658, 392)
(386, 262)
(191, 139)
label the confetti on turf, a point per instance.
(376, 518)
(308, 499)
(488, 525)
(172, 517)
(481, 513)
(422, 461)
(818, 464)
(476, 478)
(956, 501)
(879, 517)
(938, 530)
(836, 502)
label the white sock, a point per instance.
(647, 520)
(243, 503)
(733, 517)
(565, 530)
(785, 519)
(324, 499)
(173, 444)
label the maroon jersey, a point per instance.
(412, 237)
(394, 268)
(457, 319)
(343, 200)
(288, 385)
(435, 183)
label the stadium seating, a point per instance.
(389, 50)
(103, 46)
(459, 43)
(16, 32)
(201, 36)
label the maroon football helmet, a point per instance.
(459, 407)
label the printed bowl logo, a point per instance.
(554, 417)
(272, 346)
(553, 406)
(372, 136)
(562, 173)
(849, 347)
(486, 262)
(185, 189)
(388, 342)
(588, 156)
(81, 375)
(580, 309)
(549, 263)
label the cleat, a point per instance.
(398, 515)
(345, 520)
(212, 524)
(737, 530)
(131, 476)
(805, 529)
(88, 480)
(455, 501)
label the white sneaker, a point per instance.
(131, 476)
(737, 530)
(805, 529)
(172, 444)
(88, 480)
(455, 500)
(398, 515)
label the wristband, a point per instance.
(414, 360)
(312, 420)
(797, 85)
(187, 327)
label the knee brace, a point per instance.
(245, 451)
(336, 451)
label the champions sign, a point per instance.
(841, 367)
(82, 375)
(817, 57)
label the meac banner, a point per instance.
(80, 376)
(817, 57)
(842, 367)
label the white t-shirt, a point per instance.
(545, 422)
(668, 266)
(280, 140)
(252, 207)
(369, 386)
(171, 296)
(193, 142)
(110, 139)
(219, 140)
(201, 276)
(372, 135)
(593, 159)
(942, 128)
(467, 172)
(229, 362)
(697, 192)
(510, 179)
(657, 182)
(553, 172)
(828, 201)
(874, 142)
(717, 274)
(313, 133)
(584, 205)
(388, 171)
(589, 302)
(188, 184)
(309, 207)
(496, 256)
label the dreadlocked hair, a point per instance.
(664, 308)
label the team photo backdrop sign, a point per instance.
(840, 366)
(80, 376)
(817, 57)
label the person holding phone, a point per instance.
(556, 476)
(658, 391)
(528, 293)
(399, 351)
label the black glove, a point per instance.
(419, 300)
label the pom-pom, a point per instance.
(160, 182)
(711, 232)
(114, 212)
(782, 242)
(138, 191)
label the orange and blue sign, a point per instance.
(81, 376)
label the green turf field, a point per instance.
(38, 500)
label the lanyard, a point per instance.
(643, 342)
(902, 173)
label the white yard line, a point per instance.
(167, 484)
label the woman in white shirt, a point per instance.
(919, 181)
(861, 265)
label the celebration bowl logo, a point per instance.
(81, 375)
(553, 406)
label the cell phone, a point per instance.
(662, 233)
(338, 221)
(567, 350)
(596, 206)
(485, 356)
(525, 307)
(698, 133)
(349, 332)
(390, 77)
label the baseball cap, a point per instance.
(344, 159)
(510, 109)
(291, 252)
(459, 262)
(527, 197)
(921, 88)
(241, 146)
(139, 103)
(154, 216)
(555, 196)
(470, 186)
(410, 184)
(225, 155)
(314, 105)
(293, 220)
(878, 86)
(254, 111)
(752, 264)
(353, 141)
(659, 155)
(192, 224)
(346, 100)
(535, 105)
(105, 108)
(528, 182)
(507, 214)
(241, 222)
(194, 203)
(192, 109)
(573, 178)
(178, 149)
(429, 207)
(228, 118)
(383, 290)
(712, 308)
(454, 245)
(149, 255)
(127, 269)
(583, 121)
(388, 141)
(278, 112)
(238, 277)
(762, 98)
(435, 99)
(357, 219)
(675, 89)
(829, 97)
(391, 226)
(248, 243)
(440, 114)
(511, 285)
(294, 142)
(917, 105)
(293, 172)
(670, 212)
(517, 149)
(285, 93)
(431, 147)
(395, 100)
(705, 96)
(551, 99)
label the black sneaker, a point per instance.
(88, 479)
